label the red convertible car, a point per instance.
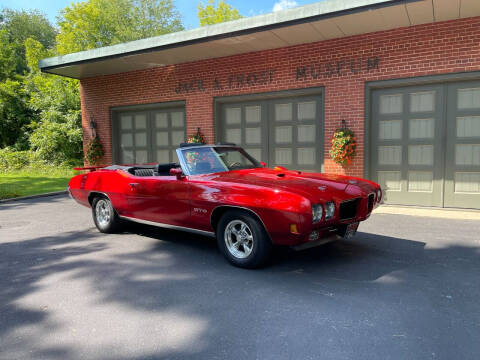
(221, 191)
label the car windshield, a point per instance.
(205, 160)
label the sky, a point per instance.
(188, 8)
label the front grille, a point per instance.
(348, 209)
(371, 202)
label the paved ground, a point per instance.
(404, 288)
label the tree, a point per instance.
(211, 14)
(21, 25)
(96, 23)
(55, 133)
(7, 57)
(15, 114)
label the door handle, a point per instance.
(133, 186)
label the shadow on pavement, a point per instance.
(338, 300)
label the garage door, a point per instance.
(425, 144)
(285, 132)
(148, 136)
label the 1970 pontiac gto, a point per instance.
(221, 191)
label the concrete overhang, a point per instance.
(324, 20)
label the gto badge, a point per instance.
(352, 181)
(322, 188)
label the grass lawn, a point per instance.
(31, 182)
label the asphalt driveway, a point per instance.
(404, 288)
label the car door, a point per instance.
(160, 199)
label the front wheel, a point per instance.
(104, 215)
(243, 240)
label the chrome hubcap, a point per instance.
(239, 239)
(102, 211)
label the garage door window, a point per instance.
(148, 136)
(284, 132)
(426, 144)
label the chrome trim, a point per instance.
(70, 193)
(374, 200)
(240, 207)
(168, 226)
(102, 193)
(182, 161)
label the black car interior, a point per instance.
(146, 170)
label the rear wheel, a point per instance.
(104, 215)
(243, 240)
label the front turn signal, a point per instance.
(293, 228)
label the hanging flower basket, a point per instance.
(197, 138)
(344, 146)
(94, 151)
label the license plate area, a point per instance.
(350, 230)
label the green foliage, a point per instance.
(15, 114)
(7, 57)
(58, 137)
(48, 91)
(343, 147)
(197, 138)
(41, 112)
(213, 14)
(96, 23)
(94, 151)
(15, 160)
(56, 133)
(21, 25)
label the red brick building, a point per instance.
(404, 75)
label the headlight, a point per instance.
(329, 210)
(379, 195)
(317, 212)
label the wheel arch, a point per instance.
(220, 210)
(93, 194)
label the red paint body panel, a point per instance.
(278, 198)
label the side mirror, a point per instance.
(264, 164)
(177, 172)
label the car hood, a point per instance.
(313, 186)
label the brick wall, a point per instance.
(438, 48)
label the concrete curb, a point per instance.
(452, 214)
(34, 196)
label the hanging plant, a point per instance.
(344, 146)
(94, 151)
(197, 138)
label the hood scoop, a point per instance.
(281, 175)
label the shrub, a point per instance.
(58, 138)
(14, 160)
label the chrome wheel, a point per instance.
(103, 213)
(239, 239)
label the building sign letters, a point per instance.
(234, 81)
(303, 72)
(341, 67)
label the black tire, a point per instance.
(105, 224)
(250, 254)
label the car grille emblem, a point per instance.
(352, 181)
(322, 188)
